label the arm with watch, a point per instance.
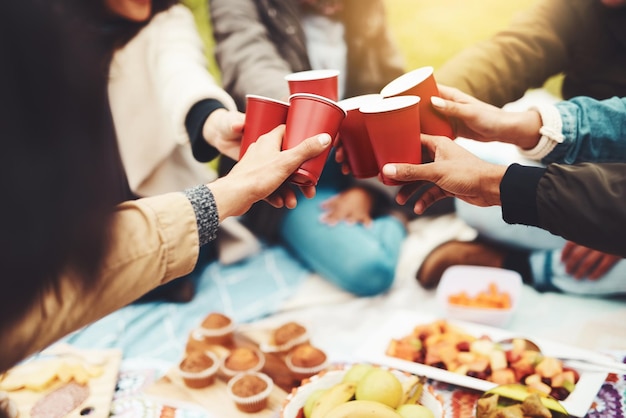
(566, 136)
(572, 131)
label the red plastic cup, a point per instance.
(355, 139)
(309, 115)
(321, 82)
(262, 115)
(393, 125)
(421, 82)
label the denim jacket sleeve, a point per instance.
(593, 131)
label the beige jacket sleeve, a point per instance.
(152, 241)
(532, 49)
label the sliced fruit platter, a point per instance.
(400, 342)
(363, 390)
(447, 346)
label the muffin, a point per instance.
(196, 342)
(287, 336)
(250, 391)
(217, 328)
(243, 359)
(305, 360)
(198, 369)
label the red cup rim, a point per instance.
(312, 75)
(390, 104)
(266, 99)
(406, 81)
(318, 98)
(354, 103)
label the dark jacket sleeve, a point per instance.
(194, 122)
(584, 203)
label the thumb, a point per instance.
(447, 107)
(310, 147)
(409, 172)
(235, 122)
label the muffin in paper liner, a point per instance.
(222, 335)
(230, 372)
(283, 348)
(202, 378)
(303, 372)
(254, 402)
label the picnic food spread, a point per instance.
(367, 390)
(443, 345)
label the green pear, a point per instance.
(356, 372)
(380, 385)
(414, 411)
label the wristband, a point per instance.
(551, 132)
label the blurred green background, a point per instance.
(430, 31)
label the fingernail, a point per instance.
(389, 170)
(324, 139)
(438, 102)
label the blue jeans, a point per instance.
(359, 259)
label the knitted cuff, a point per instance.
(551, 132)
(205, 208)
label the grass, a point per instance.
(429, 32)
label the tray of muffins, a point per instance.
(238, 371)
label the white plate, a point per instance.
(402, 322)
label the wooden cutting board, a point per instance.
(214, 399)
(95, 394)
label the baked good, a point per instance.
(197, 342)
(215, 320)
(217, 328)
(305, 360)
(198, 369)
(288, 332)
(250, 391)
(287, 336)
(243, 359)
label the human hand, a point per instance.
(582, 262)
(473, 119)
(261, 172)
(340, 157)
(223, 130)
(351, 206)
(454, 172)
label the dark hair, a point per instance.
(56, 176)
(114, 30)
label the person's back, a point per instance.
(582, 39)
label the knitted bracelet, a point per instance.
(551, 132)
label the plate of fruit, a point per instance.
(472, 355)
(518, 401)
(362, 390)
